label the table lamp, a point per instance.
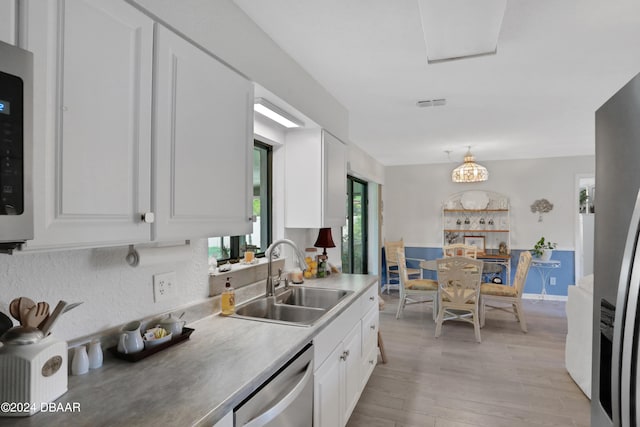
(323, 241)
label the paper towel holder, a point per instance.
(133, 257)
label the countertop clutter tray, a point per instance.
(134, 357)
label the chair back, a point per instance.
(391, 251)
(460, 249)
(521, 273)
(402, 267)
(459, 279)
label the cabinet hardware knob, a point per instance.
(371, 362)
(372, 298)
(148, 217)
(373, 327)
(344, 356)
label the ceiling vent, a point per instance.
(432, 102)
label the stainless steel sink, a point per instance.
(312, 297)
(295, 306)
(268, 310)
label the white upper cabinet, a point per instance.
(315, 180)
(93, 71)
(203, 143)
(8, 21)
(97, 171)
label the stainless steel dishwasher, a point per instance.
(284, 400)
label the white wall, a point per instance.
(413, 197)
(112, 291)
(361, 165)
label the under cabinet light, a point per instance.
(267, 109)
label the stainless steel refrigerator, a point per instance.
(616, 327)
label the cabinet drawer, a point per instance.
(369, 362)
(334, 333)
(370, 325)
(369, 299)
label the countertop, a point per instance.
(196, 382)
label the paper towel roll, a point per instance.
(141, 257)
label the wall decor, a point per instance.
(540, 207)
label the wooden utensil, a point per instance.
(14, 309)
(72, 306)
(35, 316)
(51, 320)
(44, 306)
(25, 305)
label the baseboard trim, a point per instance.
(546, 297)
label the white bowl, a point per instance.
(152, 342)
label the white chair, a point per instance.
(459, 281)
(391, 259)
(507, 298)
(414, 291)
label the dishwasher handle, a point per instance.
(283, 403)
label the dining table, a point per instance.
(492, 264)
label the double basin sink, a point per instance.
(298, 305)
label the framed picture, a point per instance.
(477, 241)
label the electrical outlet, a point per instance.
(552, 281)
(164, 286)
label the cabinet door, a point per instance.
(92, 64)
(334, 181)
(203, 144)
(8, 21)
(352, 376)
(328, 393)
(316, 180)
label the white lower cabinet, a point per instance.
(370, 324)
(342, 367)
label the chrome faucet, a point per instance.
(271, 290)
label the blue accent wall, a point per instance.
(565, 275)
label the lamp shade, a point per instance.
(469, 171)
(324, 239)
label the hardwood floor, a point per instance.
(511, 379)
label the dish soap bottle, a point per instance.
(228, 300)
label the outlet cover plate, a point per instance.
(164, 286)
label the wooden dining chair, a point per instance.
(393, 280)
(459, 291)
(460, 249)
(507, 298)
(414, 291)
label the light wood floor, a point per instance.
(511, 379)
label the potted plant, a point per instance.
(543, 249)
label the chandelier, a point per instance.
(469, 171)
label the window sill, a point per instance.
(242, 274)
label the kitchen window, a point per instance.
(226, 248)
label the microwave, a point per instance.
(16, 147)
